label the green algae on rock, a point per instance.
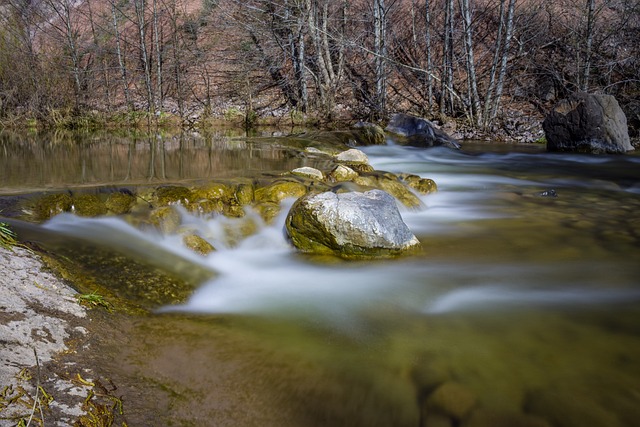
(197, 244)
(88, 205)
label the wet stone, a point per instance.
(308, 172)
(120, 203)
(88, 205)
(174, 195)
(166, 219)
(343, 173)
(198, 244)
(569, 409)
(51, 205)
(278, 191)
(452, 399)
(488, 418)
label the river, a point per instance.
(526, 295)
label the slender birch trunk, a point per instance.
(586, 68)
(488, 99)
(144, 57)
(123, 68)
(505, 58)
(476, 110)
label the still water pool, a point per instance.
(525, 302)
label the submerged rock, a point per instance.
(51, 205)
(587, 123)
(390, 184)
(120, 203)
(278, 191)
(419, 132)
(421, 185)
(198, 244)
(350, 225)
(88, 205)
(451, 399)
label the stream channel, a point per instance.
(526, 295)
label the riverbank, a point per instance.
(42, 320)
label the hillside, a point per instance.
(493, 66)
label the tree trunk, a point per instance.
(446, 98)
(144, 57)
(427, 36)
(380, 50)
(123, 68)
(505, 57)
(488, 99)
(586, 68)
(476, 110)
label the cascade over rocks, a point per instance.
(350, 225)
(587, 123)
(419, 132)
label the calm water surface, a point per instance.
(527, 293)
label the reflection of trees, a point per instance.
(61, 160)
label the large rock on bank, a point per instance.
(587, 123)
(350, 225)
(419, 132)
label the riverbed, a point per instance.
(525, 298)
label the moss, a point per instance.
(198, 244)
(421, 185)
(51, 205)
(120, 203)
(279, 191)
(244, 194)
(166, 219)
(172, 195)
(268, 211)
(88, 205)
(391, 185)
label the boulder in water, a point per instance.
(350, 225)
(419, 132)
(587, 123)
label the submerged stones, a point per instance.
(350, 225)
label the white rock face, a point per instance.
(309, 173)
(350, 225)
(352, 156)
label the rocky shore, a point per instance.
(41, 318)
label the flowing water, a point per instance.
(527, 294)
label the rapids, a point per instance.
(527, 291)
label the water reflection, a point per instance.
(30, 162)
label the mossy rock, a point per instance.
(51, 205)
(421, 185)
(120, 203)
(392, 186)
(88, 205)
(244, 194)
(352, 155)
(360, 167)
(342, 173)
(308, 172)
(369, 134)
(488, 418)
(268, 211)
(207, 207)
(166, 219)
(197, 244)
(236, 232)
(172, 195)
(278, 191)
(233, 210)
(214, 191)
(451, 399)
